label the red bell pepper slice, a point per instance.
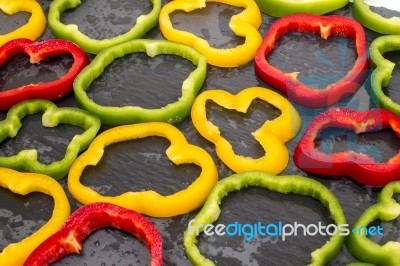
(88, 219)
(361, 167)
(288, 82)
(37, 52)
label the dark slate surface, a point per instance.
(141, 165)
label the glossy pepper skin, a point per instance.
(148, 202)
(171, 113)
(23, 184)
(86, 220)
(71, 32)
(382, 73)
(27, 160)
(363, 14)
(281, 8)
(281, 184)
(35, 25)
(272, 135)
(37, 51)
(360, 167)
(245, 24)
(361, 247)
(288, 82)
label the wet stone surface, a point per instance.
(315, 58)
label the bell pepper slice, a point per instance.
(272, 135)
(86, 220)
(281, 8)
(359, 166)
(38, 51)
(23, 184)
(27, 160)
(171, 113)
(374, 21)
(281, 184)
(359, 264)
(71, 32)
(245, 24)
(288, 82)
(382, 74)
(360, 246)
(148, 202)
(35, 25)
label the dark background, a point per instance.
(142, 164)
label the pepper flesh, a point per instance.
(89, 218)
(281, 184)
(245, 24)
(38, 51)
(288, 82)
(271, 135)
(281, 8)
(359, 166)
(363, 248)
(24, 183)
(148, 202)
(71, 32)
(363, 14)
(36, 23)
(171, 113)
(27, 160)
(381, 76)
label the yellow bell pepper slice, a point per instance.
(23, 183)
(148, 202)
(36, 23)
(272, 135)
(245, 24)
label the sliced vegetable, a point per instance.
(288, 82)
(272, 135)
(89, 218)
(359, 166)
(148, 202)
(27, 160)
(381, 76)
(363, 14)
(170, 113)
(363, 248)
(282, 184)
(23, 184)
(38, 51)
(35, 25)
(71, 32)
(245, 24)
(281, 8)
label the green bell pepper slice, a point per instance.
(363, 14)
(282, 184)
(281, 8)
(71, 32)
(360, 264)
(171, 113)
(364, 249)
(382, 74)
(27, 160)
